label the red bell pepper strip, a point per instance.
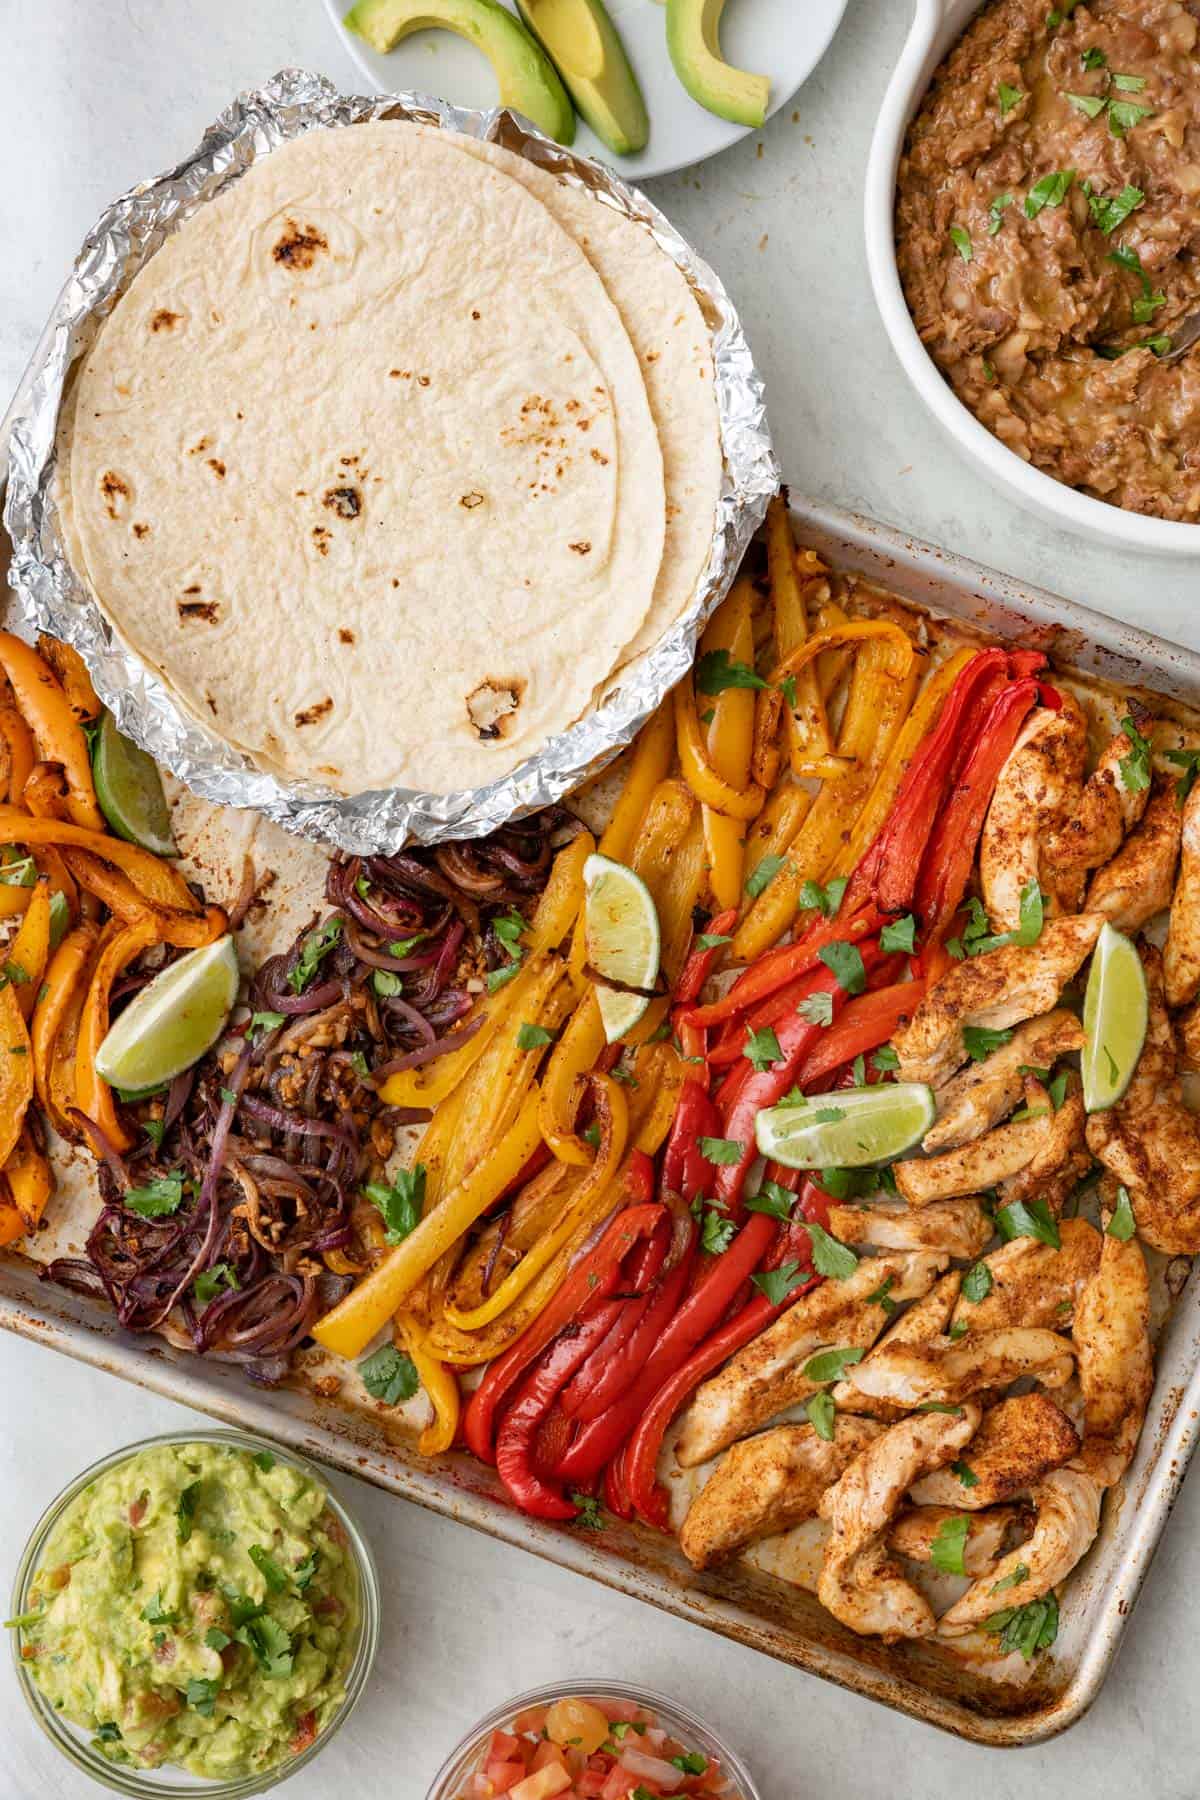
(863, 1024)
(625, 1362)
(951, 852)
(615, 1497)
(785, 962)
(642, 1278)
(684, 1170)
(637, 1182)
(698, 967)
(528, 1412)
(591, 1280)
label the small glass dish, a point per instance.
(171, 1782)
(678, 1721)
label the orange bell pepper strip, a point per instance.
(572, 1057)
(63, 985)
(30, 1181)
(57, 732)
(161, 884)
(93, 1096)
(12, 1225)
(18, 741)
(730, 742)
(46, 794)
(810, 744)
(184, 930)
(73, 677)
(16, 1071)
(29, 951)
(14, 900)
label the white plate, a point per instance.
(773, 37)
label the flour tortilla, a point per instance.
(363, 464)
(674, 348)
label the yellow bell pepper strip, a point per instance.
(612, 1115)
(16, 1072)
(184, 930)
(881, 689)
(351, 1325)
(659, 1071)
(430, 1085)
(57, 732)
(730, 740)
(572, 1058)
(852, 632)
(73, 677)
(779, 822)
(469, 1349)
(810, 745)
(439, 1382)
(12, 1225)
(161, 884)
(506, 1238)
(21, 755)
(29, 951)
(562, 896)
(93, 1096)
(706, 783)
(14, 901)
(64, 983)
(30, 1181)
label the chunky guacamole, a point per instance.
(195, 1605)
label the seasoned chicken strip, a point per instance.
(923, 1320)
(959, 1227)
(1034, 1284)
(1149, 1141)
(1188, 1027)
(914, 1532)
(858, 1584)
(996, 990)
(1019, 1441)
(985, 1092)
(1061, 1160)
(947, 1372)
(768, 1375)
(1139, 881)
(1037, 791)
(1181, 958)
(1114, 1357)
(1002, 1154)
(766, 1484)
(1108, 809)
(1068, 1517)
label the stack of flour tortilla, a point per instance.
(393, 456)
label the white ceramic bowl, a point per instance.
(936, 26)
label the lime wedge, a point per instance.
(620, 927)
(1115, 1011)
(130, 791)
(173, 1021)
(853, 1128)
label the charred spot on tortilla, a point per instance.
(206, 611)
(201, 447)
(299, 246)
(116, 491)
(141, 530)
(492, 706)
(471, 501)
(475, 314)
(346, 502)
(582, 548)
(598, 456)
(217, 467)
(345, 636)
(165, 320)
(321, 536)
(312, 715)
(422, 381)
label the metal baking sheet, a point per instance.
(742, 1602)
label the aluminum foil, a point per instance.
(51, 598)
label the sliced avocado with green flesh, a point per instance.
(694, 42)
(586, 49)
(525, 74)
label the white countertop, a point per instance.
(95, 94)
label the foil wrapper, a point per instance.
(51, 598)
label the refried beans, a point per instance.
(1047, 228)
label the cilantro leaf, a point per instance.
(1028, 1628)
(1013, 1579)
(961, 239)
(845, 964)
(882, 1296)
(588, 1515)
(981, 1041)
(831, 1365)
(1123, 115)
(201, 1695)
(1008, 97)
(762, 1049)
(269, 1643)
(996, 212)
(1051, 190)
(1091, 105)
(157, 1198)
(900, 935)
(1108, 212)
(965, 1473)
(825, 900)
(185, 1511)
(1032, 915)
(1135, 767)
(717, 1233)
(816, 1008)
(1122, 1225)
(722, 1150)
(1189, 762)
(533, 1037)
(763, 874)
(822, 1414)
(885, 1060)
(776, 1201)
(155, 1613)
(262, 1022)
(830, 1258)
(209, 1282)
(948, 1545)
(389, 1375)
(1028, 1218)
(272, 1572)
(709, 940)
(717, 670)
(778, 1283)
(400, 1204)
(313, 950)
(977, 1283)
(498, 978)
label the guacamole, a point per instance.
(195, 1605)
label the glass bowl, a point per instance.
(678, 1720)
(172, 1783)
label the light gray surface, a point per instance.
(93, 96)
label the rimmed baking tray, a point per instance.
(780, 1619)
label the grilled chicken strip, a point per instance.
(1114, 1357)
(996, 990)
(915, 1531)
(1181, 958)
(766, 1484)
(1149, 1141)
(1068, 1517)
(1139, 881)
(1040, 1143)
(959, 1227)
(1108, 809)
(768, 1375)
(858, 1584)
(1188, 1027)
(947, 1372)
(1034, 1284)
(1037, 791)
(923, 1320)
(1062, 1159)
(985, 1092)
(1019, 1441)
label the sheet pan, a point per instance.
(743, 1603)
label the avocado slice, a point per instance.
(694, 42)
(524, 72)
(586, 49)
